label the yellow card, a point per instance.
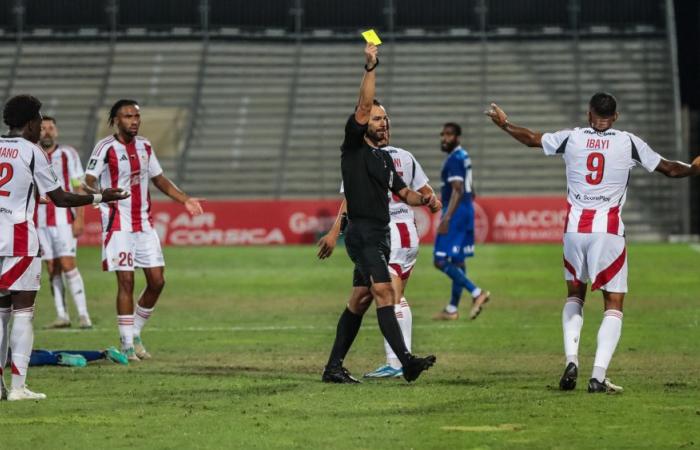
(371, 37)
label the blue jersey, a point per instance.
(457, 167)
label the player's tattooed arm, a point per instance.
(327, 243)
(368, 86)
(520, 134)
(168, 188)
(679, 169)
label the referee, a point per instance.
(368, 175)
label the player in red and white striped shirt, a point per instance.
(128, 161)
(599, 160)
(59, 228)
(24, 170)
(405, 244)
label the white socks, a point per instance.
(572, 322)
(58, 298)
(21, 341)
(608, 337)
(5, 314)
(77, 290)
(126, 330)
(141, 316)
(405, 318)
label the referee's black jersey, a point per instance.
(368, 175)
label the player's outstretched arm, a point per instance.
(327, 243)
(679, 169)
(168, 188)
(520, 134)
(64, 199)
(368, 86)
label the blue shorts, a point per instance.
(458, 243)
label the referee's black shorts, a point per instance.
(368, 244)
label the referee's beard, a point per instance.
(378, 138)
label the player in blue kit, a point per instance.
(455, 234)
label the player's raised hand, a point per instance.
(497, 115)
(113, 195)
(193, 206)
(326, 245)
(371, 54)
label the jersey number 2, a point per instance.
(596, 166)
(6, 173)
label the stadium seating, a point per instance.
(266, 118)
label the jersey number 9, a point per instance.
(596, 166)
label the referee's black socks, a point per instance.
(348, 326)
(392, 332)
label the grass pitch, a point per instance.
(241, 335)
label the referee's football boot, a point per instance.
(568, 380)
(338, 374)
(416, 365)
(606, 387)
(385, 371)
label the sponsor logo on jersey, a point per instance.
(600, 133)
(92, 164)
(5, 211)
(593, 198)
(123, 158)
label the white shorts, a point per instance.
(125, 250)
(600, 258)
(19, 273)
(404, 248)
(57, 241)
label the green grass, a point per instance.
(241, 335)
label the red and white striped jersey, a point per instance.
(412, 174)
(130, 167)
(67, 167)
(24, 168)
(598, 166)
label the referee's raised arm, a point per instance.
(367, 88)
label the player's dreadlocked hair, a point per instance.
(455, 128)
(117, 106)
(603, 104)
(21, 109)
